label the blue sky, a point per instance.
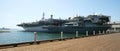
(13, 12)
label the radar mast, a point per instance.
(43, 16)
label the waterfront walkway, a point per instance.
(108, 42)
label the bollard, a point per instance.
(93, 32)
(61, 35)
(35, 37)
(76, 33)
(99, 32)
(86, 33)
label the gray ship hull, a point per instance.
(73, 29)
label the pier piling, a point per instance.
(76, 33)
(103, 32)
(93, 32)
(61, 35)
(109, 32)
(99, 32)
(35, 37)
(106, 31)
(86, 33)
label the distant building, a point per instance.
(115, 27)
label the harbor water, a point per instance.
(18, 36)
